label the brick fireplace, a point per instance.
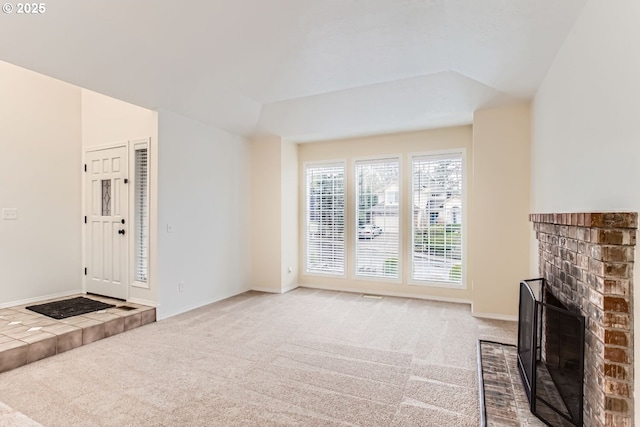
(587, 260)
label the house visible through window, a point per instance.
(377, 218)
(325, 219)
(437, 218)
(403, 224)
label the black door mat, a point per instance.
(503, 402)
(69, 307)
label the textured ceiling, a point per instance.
(300, 69)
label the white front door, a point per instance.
(107, 234)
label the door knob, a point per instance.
(121, 232)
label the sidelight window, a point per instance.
(141, 216)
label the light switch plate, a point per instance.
(9, 213)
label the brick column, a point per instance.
(587, 260)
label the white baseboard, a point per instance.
(265, 290)
(290, 288)
(275, 291)
(141, 301)
(41, 298)
(493, 316)
(391, 294)
(160, 315)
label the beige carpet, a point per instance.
(306, 358)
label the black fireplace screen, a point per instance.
(550, 355)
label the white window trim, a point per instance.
(465, 207)
(353, 229)
(305, 228)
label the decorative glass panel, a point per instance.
(106, 197)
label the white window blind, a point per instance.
(141, 226)
(437, 218)
(377, 218)
(325, 219)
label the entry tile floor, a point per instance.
(27, 336)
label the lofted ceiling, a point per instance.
(300, 69)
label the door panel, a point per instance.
(107, 204)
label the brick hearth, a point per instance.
(587, 260)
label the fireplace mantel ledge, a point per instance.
(589, 219)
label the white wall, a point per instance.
(586, 135)
(204, 193)
(499, 226)
(266, 214)
(586, 138)
(40, 175)
(106, 120)
(274, 215)
(289, 216)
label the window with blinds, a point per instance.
(141, 215)
(325, 219)
(437, 218)
(377, 218)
